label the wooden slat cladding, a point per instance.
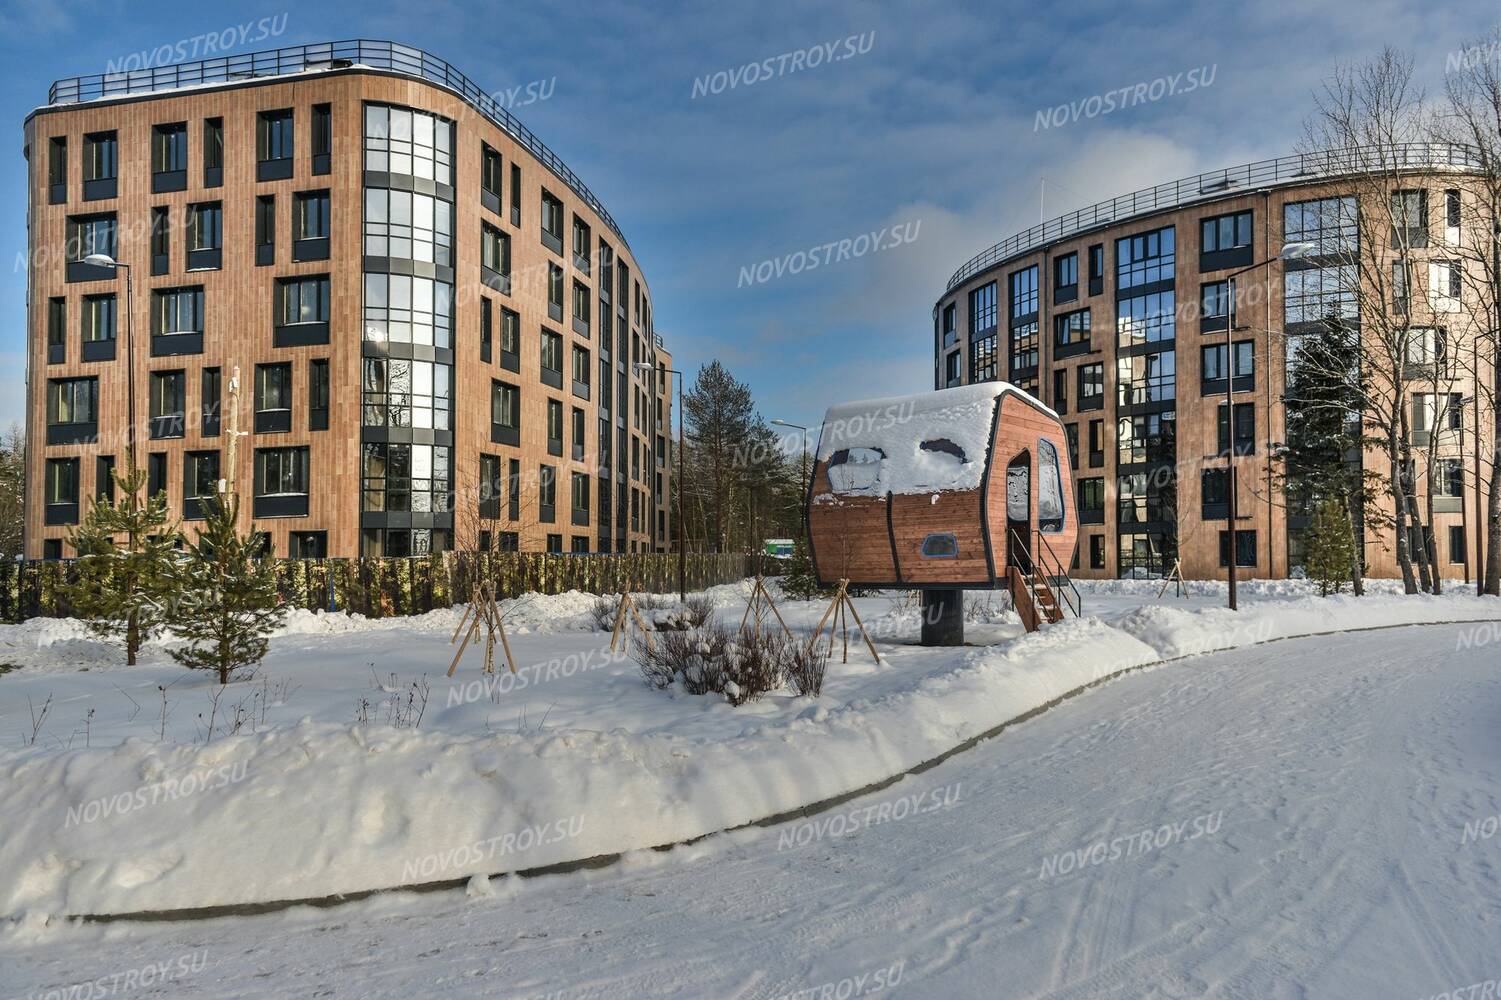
(238, 299)
(1020, 426)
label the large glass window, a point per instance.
(302, 300)
(403, 393)
(281, 472)
(310, 215)
(90, 234)
(1148, 437)
(205, 226)
(1023, 300)
(169, 147)
(400, 309)
(1225, 232)
(1049, 488)
(1146, 319)
(98, 318)
(1145, 258)
(100, 156)
(273, 135)
(982, 359)
(73, 401)
(1330, 224)
(1146, 378)
(405, 477)
(176, 310)
(982, 309)
(408, 226)
(168, 404)
(1320, 293)
(413, 143)
(1072, 329)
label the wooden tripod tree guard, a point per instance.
(760, 601)
(840, 608)
(482, 610)
(628, 603)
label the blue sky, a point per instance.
(933, 128)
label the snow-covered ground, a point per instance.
(133, 794)
(1313, 818)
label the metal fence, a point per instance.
(389, 587)
(322, 56)
(1300, 168)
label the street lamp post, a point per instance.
(1290, 251)
(803, 481)
(105, 260)
(645, 366)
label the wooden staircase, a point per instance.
(1036, 594)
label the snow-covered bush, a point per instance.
(742, 666)
(805, 667)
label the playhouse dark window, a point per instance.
(946, 446)
(940, 545)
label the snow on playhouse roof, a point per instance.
(924, 443)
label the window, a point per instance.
(1328, 223)
(1146, 319)
(1060, 390)
(1212, 361)
(949, 333)
(177, 321)
(307, 545)
(1409, 218)
(555, 292)
(583, 244)
(205, 228)
(1096, 268)
(579, 499)
(581, 308)
(940, 545)
(1401, 296)
(400, 309)
(1245, 548)
(510, 339)
(581, 372)
(61, 488)
(168, 404)
(281, 482)
(1096, 443)
(98, 327)
(1065, 276)
(169, 157)
(552, 222)
(1214, 490)
(1225, 232)
(1426, 346)
(200, 481)
(1458, 550)
(1049, 488)
(495, 258)
(401, 392)
(318, 390)
(104, 478)
(1432, 412)
(1214, 304)
(982, 310)
(213, 152)
(1145, 498)
(490, 178)
(265, 230)
(273, 398)
(1096, 551)
(1146, 438)
(982, 359)
(407, 142)
(1071, 333)
(1023, 288)
(302, 301)
(273, 145)
(552, 359)
(1245, 429)
(1145, 259)
(210, 393)
(89, 234)
(310, 225)
(1071, 432)
(1445, 279)
(323, 138)
(554, 427)
(1092, 500)
(57, 169)
(1024, 350)
(951, 369)
(404, 225)
(57, 330)
(405, 478)
(100, 165)
(516, 194)
(1320, 294)
(513, 489)
(579, 423)
(1146, 378)
(1448, 478)
(486, 330)
(161, 241)
(72, 410)
(547, 495)
(489, 488)
(505, 413)
(1092, 386)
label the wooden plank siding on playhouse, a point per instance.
(913, 491)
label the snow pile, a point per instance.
(298, 809)
(911, 444)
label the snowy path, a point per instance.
(1315, 793)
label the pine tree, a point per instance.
(801, 582)
(1330, 545)
(123, 577)
(230, 602)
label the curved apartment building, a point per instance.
(1116, 316)
(437, 326)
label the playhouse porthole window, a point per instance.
(944, 445)
(941, 545)
(852, 470)
(1049, 488)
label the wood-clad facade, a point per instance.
(422, 427)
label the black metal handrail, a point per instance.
(1301, 167)
(324, 56)
(1058, 572)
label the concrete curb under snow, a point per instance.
(802, 812)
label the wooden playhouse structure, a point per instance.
(962, 488)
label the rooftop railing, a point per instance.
(323, 56)
(1303, 167)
